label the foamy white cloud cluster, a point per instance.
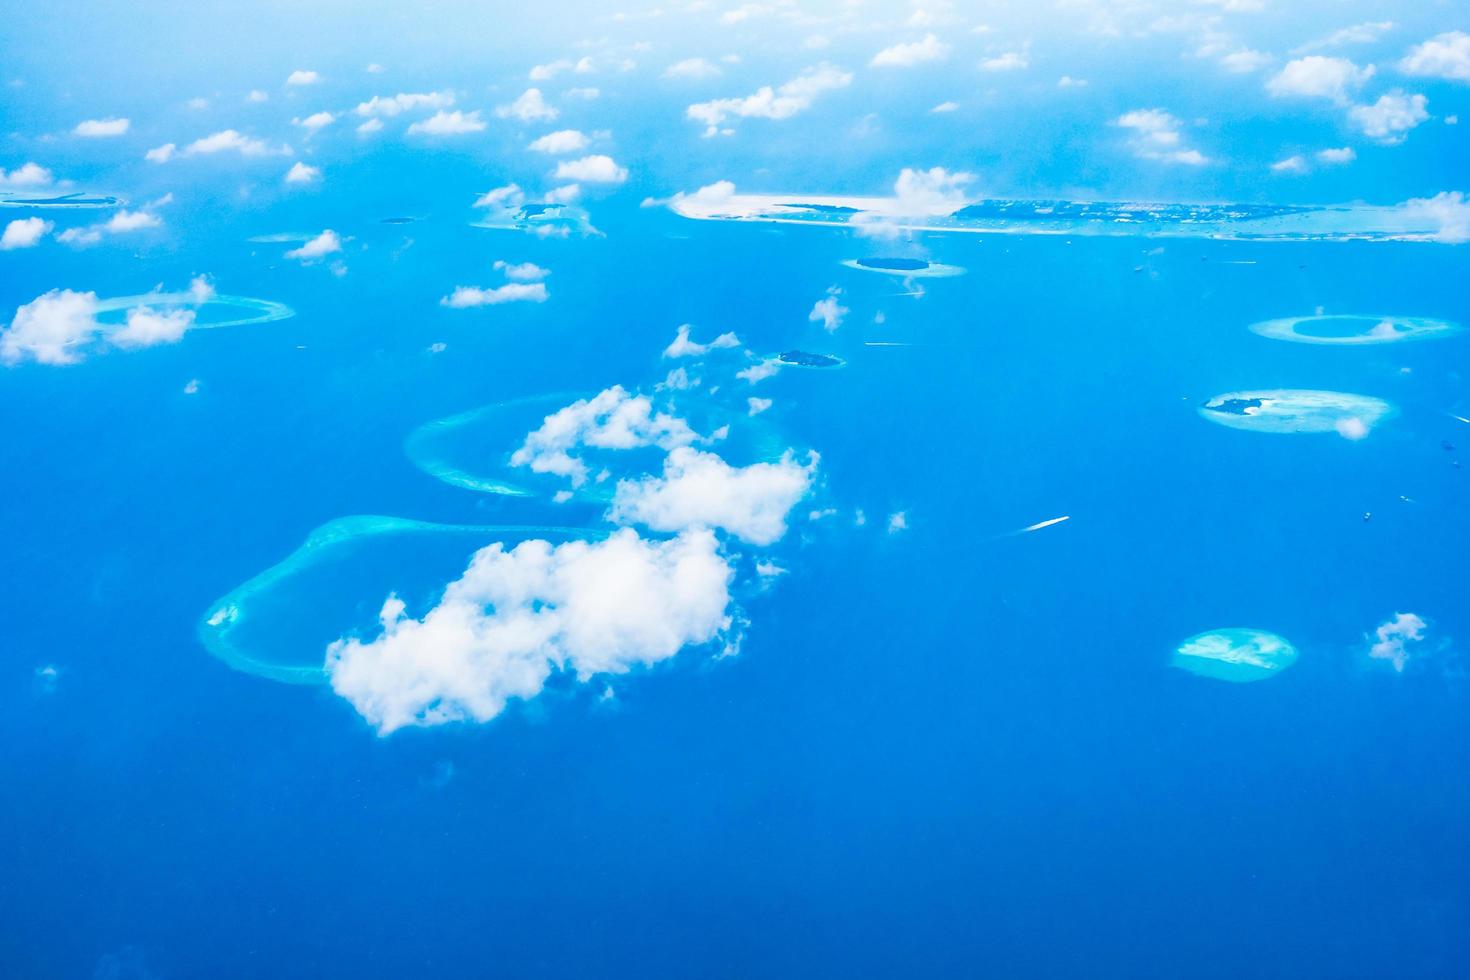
(1443, 56)
(225, 141)
(693, 68)
(393, 105)
(521, 271)
(1156, 136)
(827, 311)
(529, 106)
(585, 609)
(781, 102)
(302, 173)
(61, 327)
(525, 285)
(1390, 118)
(1319, 77)
(700, 490)
(683, 346)
(930, 48)
(930, 193)
(327, 243)
(26, 175)
(24, 233)
(561, 141)
(595, 169)
(448, 123)
(465, 297)
(51, 329)
(613, 419)
(102, 128)
(1396, 639)
(121, 223)
(515, 616)
(588, 608)
(1447, 212)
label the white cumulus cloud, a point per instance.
(595, 169)
(515, 616)
(561, 141)
(146, 327)
(932, 192)
(1318, 76)
(827, 311)
(930, 48)
(612, 419)
(61, 327)
(51, 329)
(508, 196)
(101, 128)
(1009, 61)
(24, 233)
(223, 141)
(1390, 118)
(692, 68)
(301, 173)
(700, 490)
(683, 346)
(529, 106)
(1448, 211)
(521, 271)
(393, 105)
(1397, 639)
(449, 123)
(465, 297)
(122, 222)
(1442, 56)
(782, 102)
(26, 175)
(316, 121)
(303, 77)
(322, 245)
(1356, 34)
(1156, 136)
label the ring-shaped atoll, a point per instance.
(472, 450)
(278, 624)
(1237, 654)
(810, 359)
(1292, 410)
(1348, 329)
(76, 199)
(907, 268)
(258, 310)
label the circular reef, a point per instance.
(906, 267)
(1353, 329)
(216, 311)
(1237, 654)
(1291, 410)
(278, 624)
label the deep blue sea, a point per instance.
(951, 744)
(940, 751)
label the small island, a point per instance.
(894, 264)
(802, 358)
(1238, 655)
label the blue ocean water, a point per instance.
(931, 739)
(948, 746)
